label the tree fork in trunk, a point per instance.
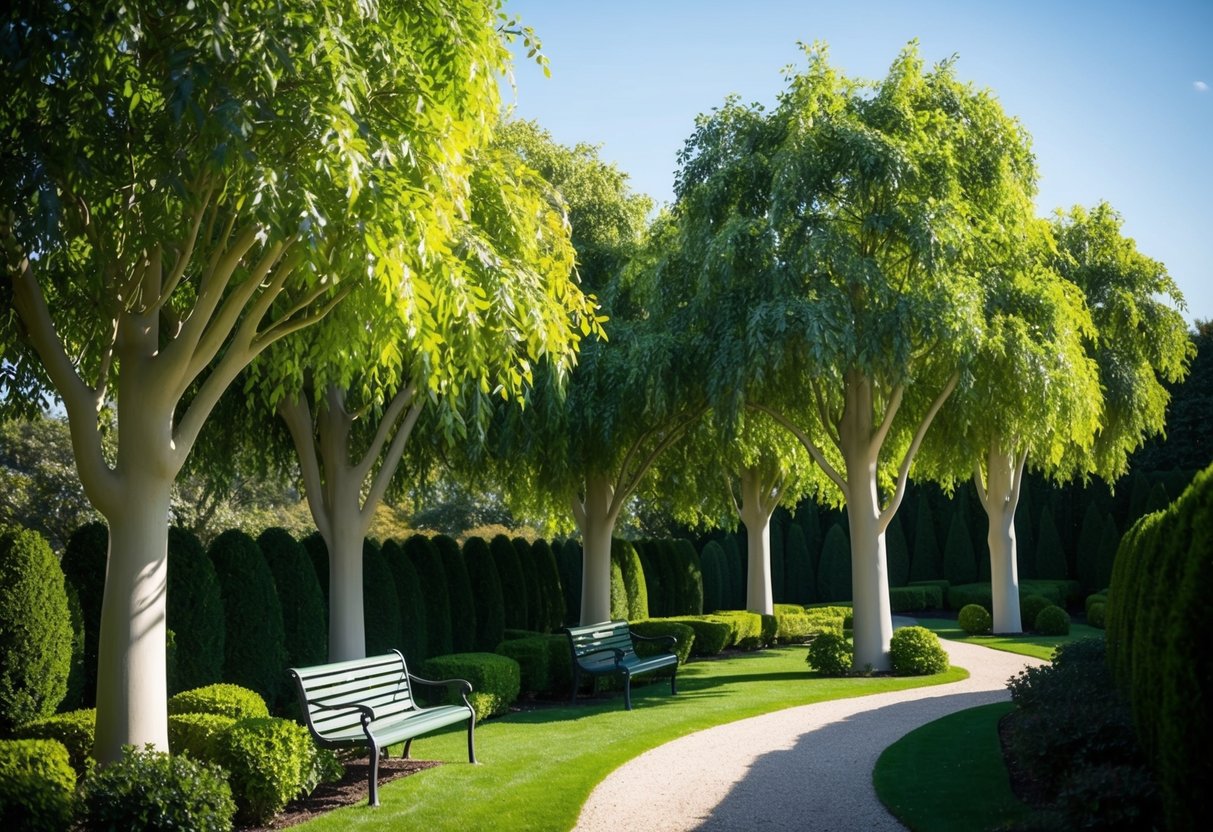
(999, 495)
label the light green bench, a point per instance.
(608, 649)
(369, 702)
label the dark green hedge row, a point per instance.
(1158, 622)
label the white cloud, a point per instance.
(1200, 86)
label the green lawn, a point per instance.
(949, 776)
(538, 767)
(1031, 644)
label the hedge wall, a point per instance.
(513, 583)
(195, 613)
(432, 580)
(459, 588)
(83, 565)
(486, 594)
(414, 635)
(380, 602)
(304, 614)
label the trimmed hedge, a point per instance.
(35, 629)
(459, 590)
(496, 680)
(908, 598)
(834, 574)
(534, 662)
(1097, 615)
(959, 558)
(535, 610)
(197, 734)
(304, 613)
(74, 698)
(636, 592)
(195, 613)
(380, 602)
(254, 654)
(513, 583)
(1030, 607)
(689, 575)
(962, 595)
(318, 552)
(486, 594)
(414, 635)
(714, 580)
(569, 563)
(747, 628)
(432, 581)
(37, 786)
(830, 654)
(898, 553)
(916, 651)
(1053, 621)
(975, 619)
(269, 761)
(653, 628)
(1094, 598)
(936, 592)
(798, 569)
(712, 635)
(926, 563)
(1050, 554)
(75, 730)
(549, 580)
(83, 565)
(153, 792)
(224, 699)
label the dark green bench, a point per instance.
(608, 649)
(369, 702)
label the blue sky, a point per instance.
(1118, 96)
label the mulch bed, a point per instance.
(349, 790)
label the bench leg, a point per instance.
(472, 739)
(373, 776)
(627, 691)
(576, 683)
(674, 681)
(408, 746)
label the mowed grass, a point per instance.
(949, 775)
(1029, 644)
(538, 767)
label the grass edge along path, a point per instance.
(1027, 644)
(964, 789)
(538, 767)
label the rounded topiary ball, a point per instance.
(37, 786)
(916, 651)
(975, 619)
(1053, 621)
(830, 654)
(1097, 615)
(35, 629)
(1030, 607)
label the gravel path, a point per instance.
(803, 768)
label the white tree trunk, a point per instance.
(596, 521)
(347, 624)
(756, 515)
(1001, 497)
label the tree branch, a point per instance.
(403, 398)
(578, 509)
(903, 475)
(298, 417)
(890, 412)
(979, 483)
(185, 255)
(824, 414)
(808, 443)
(622, 494)
(390, 461)
(1023, 461)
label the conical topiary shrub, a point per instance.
(897, 552)
(414, 635)
(432, 579)
(83, 565)
(926, 560)
(712, 562)
(380, 603)
(834, 577)
(486, 594)
(194, 614)
(959, 559)
(513, 583)
(304, 615)
(459, 589)
(1050, 557)
(549, 579)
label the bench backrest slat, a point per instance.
(609, 635)
(379, 681)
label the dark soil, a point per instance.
(349, 790)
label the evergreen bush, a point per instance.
(154, 792)
(1109, 542)
(1089, 572)
(916, 651)
(534, 662)
(414, 635)
(513, 583)
(459, 590)
(935, 593)
(318, 552)
(683, 634)
(975, 619)
(964, 594)
(194, 613)
(959, 559)
(898, 553)
(690, 576)
(530, 577)
(798, 572)
(1030, 607)
(926, 563)
(619, 592)
(1094, 598)
(907, 598)
(830, 654)
(74, 730)
(83, 565)
(1097, 614)
(1050, 554)
(778, 546)
(432, 580)
(35, 629)
(269, 762)
(486, 593)
(712, 561)
(304, 614)
(568, 560)
(37, 786)
(747, 628)
(632, 573)
(549, 580)
(1052, 621)
(197, 734)
(223, 699)
(74, 698)
(834, 576)
(661, 553)
(735, 599)
(380, 602)
(712, 635)
(496, 680)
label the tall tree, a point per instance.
(853, 210)
(183, 186)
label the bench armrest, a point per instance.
(367, 711)
(465, 685)
(670, 640)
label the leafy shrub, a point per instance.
(961, 595)
(712, 563)
(792, 623)
(830, 617)
(459, 592)
(83, 565)
(549, 581)
(35, 629)
(195, 613)
(513, 583)
(269, 762)
(432, 580)
(150, 790)
(747, 629)
(75, 730)
(37, 786)
(486, 593)
(975, 619)
(830, 654)
(304, 613)
(635, 589)
(380, 603)
(74, 698)
(653, 628)
(711, 635)
(534, 659)
(254, 652)
(226, 700)
(414, 635)
(495, 680)
(907, 598)
(916, 651)
(1053, 621)
(1097, 614)
(934, 593)
(1093, 598)
(197, 734)
(834, 573)
(1030, 607)
(689, 575)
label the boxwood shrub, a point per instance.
(975, 619)
(83, 563)
(534, 662)
(907, 598)
(431, 578)
(152, 791)
(792, 624)
(495, 680)
(224, 699)
(380, 605)
(269, 762)
(747, 629)
(1030, 607)
(35, 629)
(197, 734)
(830, 654)
(711, 636)
(916, 651)
(414, 634)
(304, 613)
(829, 618)
(1053, 621)
(459, 593)
(486, 593)
(195, 613)
(653, 628)
(1097, 614)
(76, 730)
(1094, 598)
(935, 592)
(961, 595)
(37, 786)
